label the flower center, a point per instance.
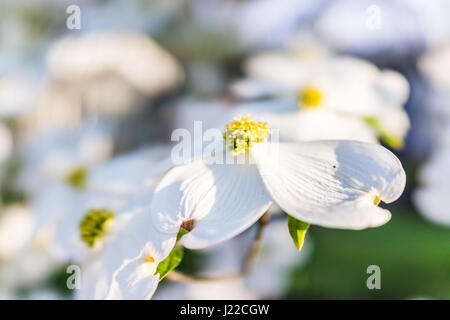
(310, 97)
(77, 178)
(148, 265)
(242, 133)
(149, 259)
(188, 225)
(376, 200)
(93, 225)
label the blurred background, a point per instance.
(127, 73)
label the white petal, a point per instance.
(320, 124)
(125, 174)
(332, 183)
(135, 280)
(255, 108)
(223, 199)
(392, 88)
(255, 88)
(135, 230)
(395, 122)
(94, 279)
(286, 71)
(134, 239)
(94, 146)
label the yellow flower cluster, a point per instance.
(242, 133)
(310, 97)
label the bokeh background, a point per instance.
(135, 68)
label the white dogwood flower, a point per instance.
(283, 115)
(96, 54)
(348, 86)
(125, 267)
(63, 156)
(77, 220)
(137, 278)
(336, 184)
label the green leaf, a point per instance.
(181, 233)
(297, 230)
(391, 140)
(169, 263)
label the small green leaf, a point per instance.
(297, 230)
(169, 263)
(181, 233)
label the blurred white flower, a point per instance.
(330, 183)
(133, 56)
(29, 267)
(124, 174)
(352, 88)
(16, 225)
(292, 125)
(322, 124)
(110, 74)
(431, 198)
(125, 267)
(63, 156)
(61, 208)
(390, 28)
(188, 110)
(59, 212)
(432, 202)
(345, 84)
(17, 93)
(433, 109)
(433, 65)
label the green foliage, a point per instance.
(297, 230)
(170, 263)
(412, 254)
